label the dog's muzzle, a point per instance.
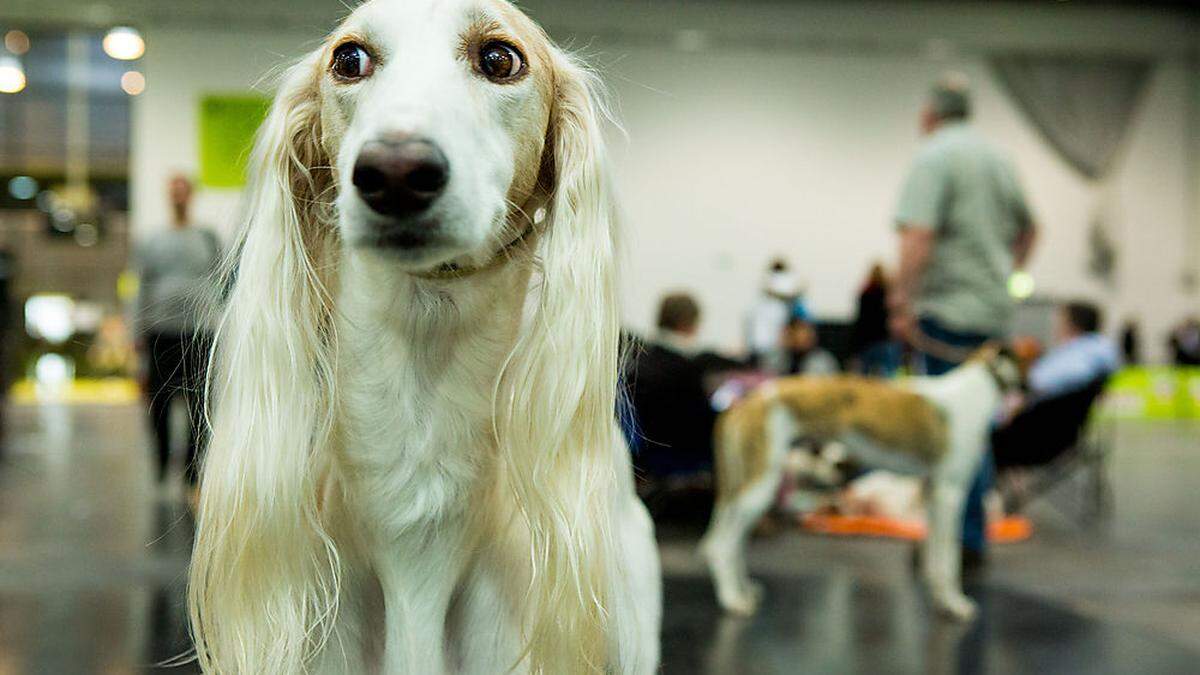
(400, 176)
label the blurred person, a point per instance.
(1063, 385)
(177, 291)
(874, 349)
(801, 352)
(964, 227)
(1081, 354)
(1131, 342)
(771, 312)
(674, 416)
(1185, 343)
(8, 268)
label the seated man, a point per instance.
(1082, 354)
(1063, 386)
(674, 418)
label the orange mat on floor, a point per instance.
(1005, 531)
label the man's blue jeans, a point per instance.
(881, 359)
(974, 532)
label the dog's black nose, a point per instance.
(400, 176)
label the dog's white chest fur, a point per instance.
(413, 462)
(416, 411)
(415, 436)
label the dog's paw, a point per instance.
(746, 602)
(957, 608)
(754, 591)
(743, 605)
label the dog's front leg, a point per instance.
(636, 620)
(417, 575)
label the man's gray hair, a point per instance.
(951, 97)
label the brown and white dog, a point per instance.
(937, 427)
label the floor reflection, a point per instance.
(826, 625)
(93, 565)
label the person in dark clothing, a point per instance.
(1185, 343)
(176, 365)
(7, 321)
(1063, 384)
(872, 343)
(177, 297)
(1131, 343)
(802, 352)
(674, 416)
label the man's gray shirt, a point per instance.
(967, 193)
(177, 291)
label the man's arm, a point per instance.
(919, 215)
(916, 249)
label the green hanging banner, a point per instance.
(228, 123)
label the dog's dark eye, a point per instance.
(500, 61)
(351, 62)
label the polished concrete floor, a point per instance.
(92, 563)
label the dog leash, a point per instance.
(959, 355)
(923, 343)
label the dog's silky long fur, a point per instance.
(936, 427)
(421, 473)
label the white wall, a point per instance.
(181, 66)
(795, 144)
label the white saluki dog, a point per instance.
(414, 466)
(937, 427)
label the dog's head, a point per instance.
(435, 116)
(435, 132)
(1004, 366)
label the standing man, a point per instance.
(177, 297)
(964, 227)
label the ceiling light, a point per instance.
(12, 75)
(124, 44)
(133, 82)
(23, 188)
(16, 42)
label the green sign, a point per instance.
(227, 127)
(1154, 393)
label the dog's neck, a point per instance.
(970, 388)
(417, 367)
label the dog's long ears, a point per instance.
(556, 400)
(264, 576)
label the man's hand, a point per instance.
(900, 315)
(903, 325)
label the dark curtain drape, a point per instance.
(1083, 107)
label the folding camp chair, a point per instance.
(1051, 442)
